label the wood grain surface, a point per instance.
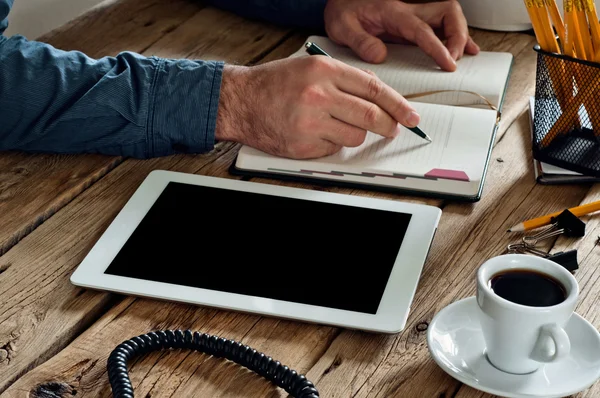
(55, 338)
(38, 297)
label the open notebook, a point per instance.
(462, 126)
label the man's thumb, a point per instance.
(368, 47)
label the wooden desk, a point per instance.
(55, 338)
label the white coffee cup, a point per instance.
(519, 338)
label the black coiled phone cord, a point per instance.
(294, 384)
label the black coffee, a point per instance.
(528, 287)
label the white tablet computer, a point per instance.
(311, 256)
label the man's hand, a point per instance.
(362, 24)
(307, 107)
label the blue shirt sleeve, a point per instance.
(294, 13)
(128, 105)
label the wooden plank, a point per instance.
(352, 358)
(33, 187)
(197, 39)
(40, 298)
(72, 362)
(400, 365)
(122, 25)
(72, 366)
(81, 368)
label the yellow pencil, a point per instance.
(546, 26)
(587, 84)
(566, 42)
(573, 47)
(590, 11)
(577, 39)
(585, 79)
(570, 31)
(535, 22)
(538, 14)
(557, 20)
(576, 45)
(569, 47)
(547, 219)
(584, 31)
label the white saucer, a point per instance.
(455, 342)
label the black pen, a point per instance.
(314, 49)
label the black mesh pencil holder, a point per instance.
(566, 123)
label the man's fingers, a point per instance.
(456, 30)
(315, 147)
(417, 31)
(449, 22)
(329, 148)
(370, 72)
(370, 88)
(363, 114)
(472, 48)
(390, 38)
(368, 47)
(339, 133)
(431, 45)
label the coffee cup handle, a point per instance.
(562, 344)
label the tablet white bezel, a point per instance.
(395, 303)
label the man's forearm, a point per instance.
(292, 13)
(129, 105)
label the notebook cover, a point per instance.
(354, 185)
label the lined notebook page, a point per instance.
(461, 141)
(408, 149)
(409, 70)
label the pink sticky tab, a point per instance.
(448, 174)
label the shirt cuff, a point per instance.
(183, 109)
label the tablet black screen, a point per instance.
(300, 251)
